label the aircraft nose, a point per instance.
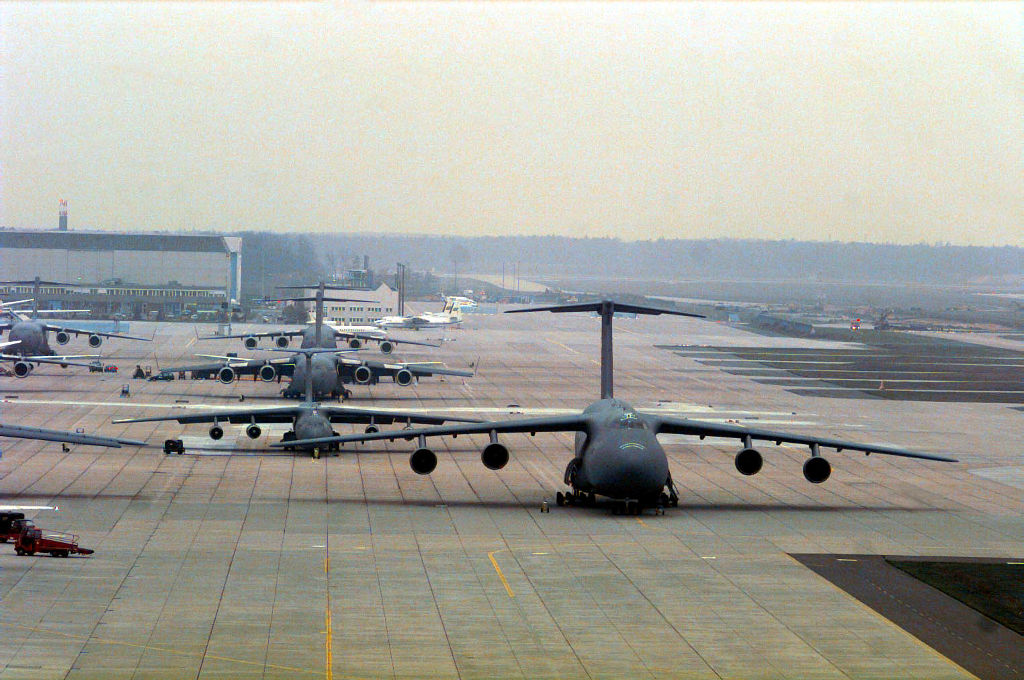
(635, 472)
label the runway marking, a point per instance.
(504, 581)
(154, 648)
(565, 347)
(329, 668)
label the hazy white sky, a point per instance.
(870, 121)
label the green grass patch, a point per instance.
(995, 589)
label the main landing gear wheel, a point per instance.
(559, 499)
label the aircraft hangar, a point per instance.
(119, 272)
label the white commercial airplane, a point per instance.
(451, 315)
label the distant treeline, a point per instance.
(285, 258)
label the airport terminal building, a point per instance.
(369, 305)
(134, 274)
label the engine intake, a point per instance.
(281, 341)
(372, 429)
(62, 337)
(387, 347)
(22, 369)
(216, 432)
(817, 470)
(250, 342)
(423, 461)
(355, 343)
(267, 373)
(494, 456)
(253, 431)
(95, 341)
(226, 375)
(362, 374)
(749, 461)
(404, 377)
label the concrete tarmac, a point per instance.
(211, 565)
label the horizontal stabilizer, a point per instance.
(599, 306)
(314, 299)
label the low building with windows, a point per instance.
(373, 304)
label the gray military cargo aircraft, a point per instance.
(32, 332)
(617, 453)
(318, 334)
(309, 419)
(331, 372)
(24, 364)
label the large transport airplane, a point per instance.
(617, 453)
(331, 372)
(24, 365)
(32, 332)
(319, 334)
(308, 419)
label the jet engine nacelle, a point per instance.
(362, 374)
(22, 369)
(423, 461)
(267, 373)
(250, 342)
(404, 377)
(749, 461)
(372, 429)
(62, 337)
(253, 431)
(355, 343)
(95, 340)
(216, 432)
(387, 347)
(281, 341)
(226, 375)
(817, 470)
(494, 456)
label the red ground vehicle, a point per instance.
(32, 539)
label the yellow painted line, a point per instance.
(328, 624)
(642, 523)
(504, 581)
(329, 669)
(190, 343)
(154, 648)
(565, 347)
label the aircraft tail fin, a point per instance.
(606, 309)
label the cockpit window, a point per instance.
(631, 421)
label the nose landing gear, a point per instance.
(576, 497)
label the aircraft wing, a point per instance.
(379, 338)
(573, 423)
(244, 416)
(345, 414)
(265, 334)
(20, 432)
(418, 370)
(78, 331)
(239, 366)
(664, 425)
(60, 360)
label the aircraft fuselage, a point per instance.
(32, 335)
(621, 457)
(325, 377)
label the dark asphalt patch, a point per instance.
(963, 635)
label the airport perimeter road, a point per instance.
(211, 565)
